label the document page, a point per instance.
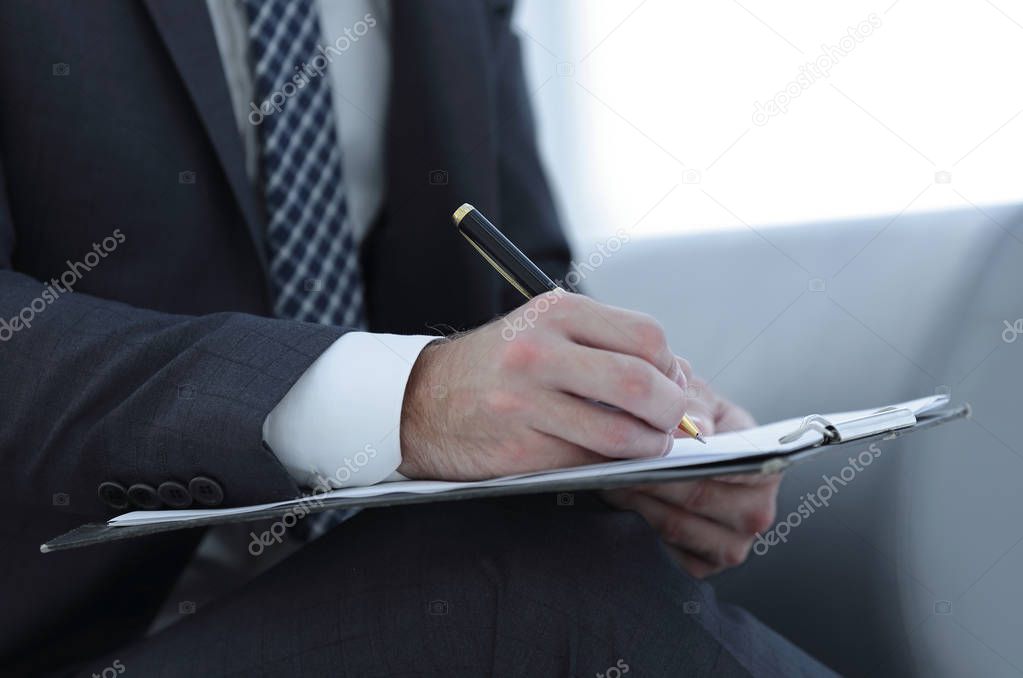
(732, 446)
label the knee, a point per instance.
(586, 545)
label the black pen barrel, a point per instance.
(502, 253)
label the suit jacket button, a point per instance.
(174, 495)
(206, 491)
(144, 496)
(113, 495)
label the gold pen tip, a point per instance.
(461, 212)
(699, 436)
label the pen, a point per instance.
(517, 269)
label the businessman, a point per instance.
(225, 254)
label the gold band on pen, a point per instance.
(461, 212)
(689, 427)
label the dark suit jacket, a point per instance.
(162, 364)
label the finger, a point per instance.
(699, 389)
(623, 381)
(621, 493)
(704, 538)
(730, 417)
(751, 479)
(687, 369)
(606, 431)
(693, 564)
(618, 330)
(747, 509)
(726, 415)
(701, 414)
(559, 453)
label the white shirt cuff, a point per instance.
(338, 426)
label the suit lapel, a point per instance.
(439, 120)
(441, 152)
(185, 28)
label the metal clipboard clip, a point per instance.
(882, 421)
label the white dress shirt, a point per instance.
(340, 421)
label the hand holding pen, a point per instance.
(493, 402)
(517, 269)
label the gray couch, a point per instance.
(915, 567)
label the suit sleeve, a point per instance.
(527, 206)
(95, 391)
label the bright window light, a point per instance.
(669, 116)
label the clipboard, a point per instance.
(819, 433)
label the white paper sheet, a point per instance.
(686, 452)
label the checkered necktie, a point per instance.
(314, 266)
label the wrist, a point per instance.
(423, 391)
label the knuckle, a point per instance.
(635, 381)
(619, 434)
(698, 497)
(687, 368)
(676, 411)
(676, 531)
(759, 519)
(698, 389)
(543, 302)
(567, 301)
(650, 338)
(551, 309)
(521, 353)
(736, 555)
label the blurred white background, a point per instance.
(632, 94)
(864, 246)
